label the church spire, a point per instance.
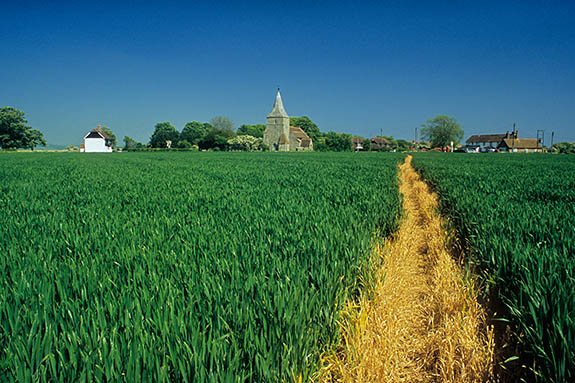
(278, 109)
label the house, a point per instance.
(379, 143)
(485, 141)
(525, 145)
(279, 135)
(96, 141)
(357, 143)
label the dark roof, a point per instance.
(520, 143)
(380, 141)
(97, 133)
(486, 138)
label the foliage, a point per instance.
(245, 143)
(518, 214)
(252, 130)
(222, 123)
(216, 139)
(335, 142)
(183, 144)
(366, 144)
(441, 130)
(14, 133)
(113, 140)
(307, 126)
(164, 132)
(397, 145)
(564, 147)
(219, 267)
(130, 144)
(72, 148)
(194, 132)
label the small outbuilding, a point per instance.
(97, 141)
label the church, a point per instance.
(280, 136)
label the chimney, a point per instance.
(507, 134)
(99, 127)
(516, 133)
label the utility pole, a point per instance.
(552, 134)
(415, 141)
(513, 139)
(540, 138)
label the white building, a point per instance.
(97, 141)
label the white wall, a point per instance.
(96, 145)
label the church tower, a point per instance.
(276, 135)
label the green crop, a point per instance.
(203, 267)
(518, 213)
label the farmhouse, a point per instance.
(379, 143)
(526, 145)
(279, 135)
(96, 141)
(508, 142)
(487, 140)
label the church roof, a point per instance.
(298, 132)
(301, 135)
(278, 109)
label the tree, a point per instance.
(222, 123)
(112, 136)
(307, 126)
(216, 139)
(14, 133)
(184, 144)
(564, 147)
(336, 142)
(130, 143)
(403, 145)
(245, 143)
(441, 130)
(164, 132)
(194, 132)
(366, 144)
(252, 130)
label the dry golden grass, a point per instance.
(422, 322)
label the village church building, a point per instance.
(279, 135)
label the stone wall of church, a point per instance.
(275, 126)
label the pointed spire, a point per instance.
(278, 109)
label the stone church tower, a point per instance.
(277, 133)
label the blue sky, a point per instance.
(354, 67)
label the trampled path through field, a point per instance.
(422, 322)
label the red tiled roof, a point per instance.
(298, 132)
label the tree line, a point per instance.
(219, 134)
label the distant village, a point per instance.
(283, 133)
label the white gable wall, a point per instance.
(96, 145)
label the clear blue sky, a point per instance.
(354, 67)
